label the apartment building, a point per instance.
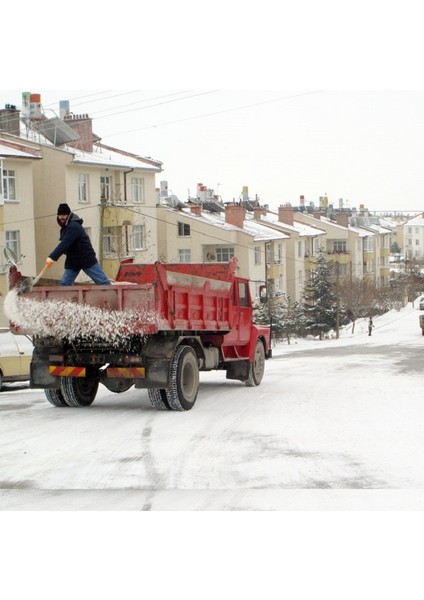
(412, 235)
(112, 190)
(302, 245)
(16, 209)
(216, 232)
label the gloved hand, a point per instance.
(49, 262)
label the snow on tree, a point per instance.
(320, 302)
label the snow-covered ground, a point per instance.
(336, 425)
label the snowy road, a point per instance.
(337, 424)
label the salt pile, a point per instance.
(70, 320)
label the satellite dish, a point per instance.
(173, 201)
(10, 256)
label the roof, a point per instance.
(112, 157)
(253, 228)
(15, 150)
(302, 229)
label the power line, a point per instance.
(226, 110)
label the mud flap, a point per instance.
(40, 378)
(238, 369)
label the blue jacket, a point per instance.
(75, 244)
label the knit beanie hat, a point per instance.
(63, 209)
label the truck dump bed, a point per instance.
(144, 299)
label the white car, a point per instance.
(15, 357)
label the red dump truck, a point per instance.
(155, 327)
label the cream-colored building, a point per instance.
(301, 247)
(217, 233)
(17, 161)
(113, 191)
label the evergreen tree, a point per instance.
(292, 319)
(320, 302)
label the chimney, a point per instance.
(285, 214)
(196, 209)
(258, 211)
(10, 120)
(83, 125)
(342, 218)
(235, 214)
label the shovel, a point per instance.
(29, 282)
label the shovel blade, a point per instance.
(26, 285)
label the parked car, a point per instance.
(15, 357)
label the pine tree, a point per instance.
(320, 302)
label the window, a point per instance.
(417, 242)
(83, 187)
(299, 248)
(110, 240)
(137, 190)
(243, 298)
(279, 253)
(9, 184)
(105, 187)
(13, 242)
(224, 254)
(368, 244)
(257, 255)
(183, 229)
(339, 246)
(138, 237)
(184, 255)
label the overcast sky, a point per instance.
(365, 147)
(307, 100)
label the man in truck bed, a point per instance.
(76, 245)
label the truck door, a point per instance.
(241, 322)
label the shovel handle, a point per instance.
(43, 270)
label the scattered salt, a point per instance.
(70, 320)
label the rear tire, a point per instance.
(257, 367)
(184, 386)
(79, 391)
(55, 397)
(158, 398)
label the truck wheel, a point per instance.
(257, 367)
(79, 391)
(158, 399)
(184, 386)
(55, 397)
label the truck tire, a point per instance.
(257, 367)
(55, 397)
(184, 371)
(79, 391)
(158, 398)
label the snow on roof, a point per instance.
(102, 154)
(378, 229)
(302, 229)
(11, 150)
(112, 157)
(256, 230)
